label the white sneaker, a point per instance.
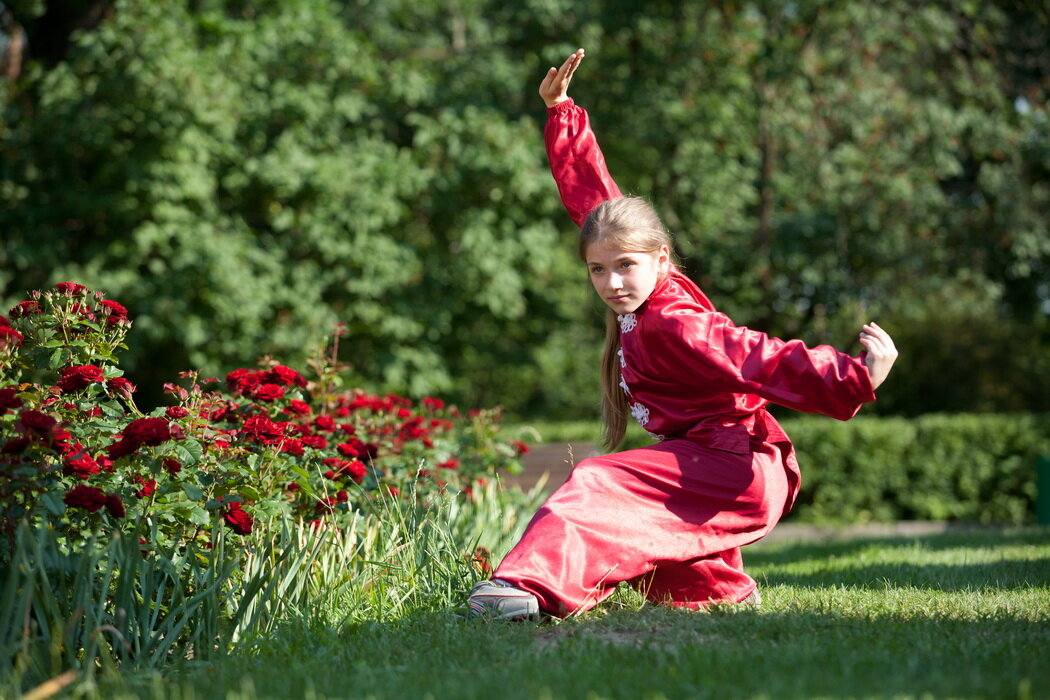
(497, 600)
(754, 599)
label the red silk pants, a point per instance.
(669, 518)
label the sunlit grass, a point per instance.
(952, 615)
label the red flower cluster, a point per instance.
(264, 385)
(115, 313)
(24, 308)
(71, 289)
(92, 498)
(261, 429)
(79, 377)
(139, 432)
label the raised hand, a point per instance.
(555, 85)
(881, 352)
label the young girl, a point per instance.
(669, 518)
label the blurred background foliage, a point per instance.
(244, 175)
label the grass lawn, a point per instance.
(951, 615)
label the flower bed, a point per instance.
(263, 444)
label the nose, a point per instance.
(615, 281)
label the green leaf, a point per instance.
(194, 492)
(188, 451)
(54, 504)
(199, 516)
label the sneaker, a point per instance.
(754, 599)
(496, 600)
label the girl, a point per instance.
(669, 518)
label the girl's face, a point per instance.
(624, 279)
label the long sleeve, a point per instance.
(576, 161)
(708, 352)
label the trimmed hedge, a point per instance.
(962, 467)
(967, 467)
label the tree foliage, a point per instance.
(245, 175)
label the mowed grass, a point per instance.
(951, 615)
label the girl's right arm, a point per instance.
(576, 160)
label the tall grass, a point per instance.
(114, 606)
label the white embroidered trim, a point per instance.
(623, 362)
(640, 413)
(627, 322)
(655, 436)
(623, 385)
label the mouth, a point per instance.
(619, 299)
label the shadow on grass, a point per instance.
(842, 562)
(632, 653)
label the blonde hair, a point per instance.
(630, 224)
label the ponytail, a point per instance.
(614, 401)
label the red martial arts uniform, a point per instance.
(671, 518)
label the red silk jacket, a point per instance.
(687, 369)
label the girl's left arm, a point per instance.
(724, 357)
(577, 162)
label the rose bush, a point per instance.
(262, 443)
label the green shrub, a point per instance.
(967, 467)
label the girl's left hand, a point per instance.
(555, 86)
(881, 352)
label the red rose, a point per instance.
(356, 470)
(9, 399)
(449, 464)
(262, 429)
(342, 496)
(105, 464)
(84, 310)
(325, 504)
(243, 380)
(24, 309)
(70, 288)
(121, 386)
(149, 487)
(122, 448)
(286, 376)
(115, 506)
(9, 336)
(298, 408)
(317, 442)
(89, 498)
(174, 412)
(116, 311)
(293, 447)
(36, 422)
(16, 446)
(520, 447)
(79, 376)
(148, 431)
(324, 423)
(173, 466)
(81, 466)
(238, 520)
(268, 392)
(433, 404)
(353, 449)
